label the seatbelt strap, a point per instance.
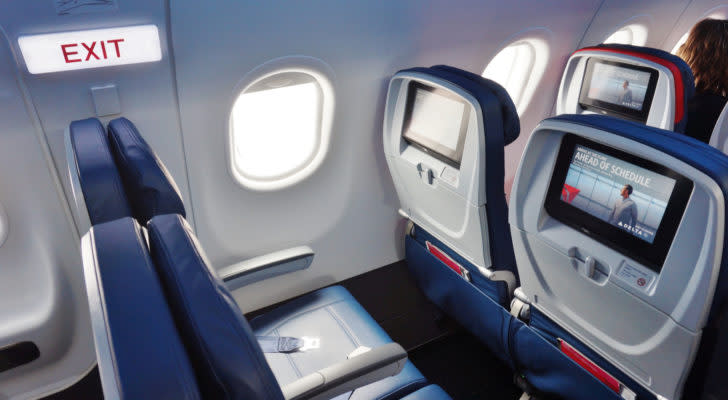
(287, 344)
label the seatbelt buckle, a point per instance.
(310, 343)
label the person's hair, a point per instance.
(626, 83)
(629, 189)
(706, 52)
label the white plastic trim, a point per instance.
(324, 76)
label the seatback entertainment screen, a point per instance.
(615, 191)
(436, 121)
(616, 88)
(627, 202)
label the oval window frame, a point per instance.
(322, 75)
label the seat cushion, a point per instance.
(341, 323)
(101, 185)
(432, 392)
(140, 352)
(227, 359)
(150, 188)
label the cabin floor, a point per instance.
(443, 351)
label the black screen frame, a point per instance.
(651, 255)
(605, 107)
(435, 149)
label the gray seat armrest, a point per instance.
(372, 366)
(266, 266)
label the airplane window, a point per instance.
(635, 34)
(518, 68)
(680, 42)
(276, 127)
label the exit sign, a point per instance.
(96, 48)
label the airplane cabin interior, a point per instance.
(357, 200)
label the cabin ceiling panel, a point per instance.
(659, 16)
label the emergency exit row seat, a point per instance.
(640, 302)
(332, 315)
(116, 173)
(444, 135)
(165, 327)
(659, 83)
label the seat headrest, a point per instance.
(684, 82)
(140, 352)
(501, 127)
(99, 179)
(150, 188)
(511, 122)
(483, 91)
(225, 353)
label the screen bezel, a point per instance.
(604, 107)
(651, 255)
(436, 150)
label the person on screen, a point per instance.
(626, 96)
(706, 52)
(624, 211)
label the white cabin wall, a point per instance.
(42, 295)
(347, 210)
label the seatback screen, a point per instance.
(625, 201)
(615, 191)
(436, 121)
(620, 89)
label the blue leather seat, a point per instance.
(502, 128)
(480, 304)
(150, 188)
(139, 350)
(228, 361)
(534, 347)
(683, 80)
(331, 314)
(119, 174)
(101, 185)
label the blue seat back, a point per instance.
(502, 127)
(140, 353)
(607, 313)
(150, 188)
(460, 225)
(226, 356)
(674, 87)
(93, 163)
(118, 174)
